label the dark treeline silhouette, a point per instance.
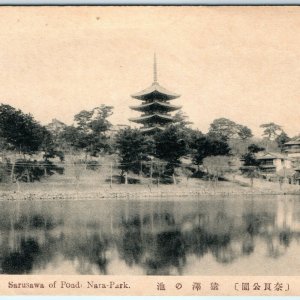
(157, 155)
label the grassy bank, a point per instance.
(77, 184)
(55, 189)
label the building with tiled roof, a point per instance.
(292, 148)
(271, 163)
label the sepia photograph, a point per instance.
(150, 140)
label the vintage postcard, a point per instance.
(150, 150)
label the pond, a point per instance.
(240, 235)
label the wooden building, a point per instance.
(292, 148)
(271, 163)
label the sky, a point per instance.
(241, 63)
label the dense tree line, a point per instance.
(91, 134)
(21, 134)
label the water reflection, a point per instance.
(21, 261)
(153, 238)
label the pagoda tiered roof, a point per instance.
(152, 118)
(152, 129)
(157, 105)
(155, 91)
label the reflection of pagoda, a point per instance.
(155, 106)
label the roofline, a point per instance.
(268, 167)
(292, 143)
(156, 102)
(151, 128)
(152, 116)
(141, 97)
(272, 155)
(155, 88)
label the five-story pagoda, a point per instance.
(155, 106)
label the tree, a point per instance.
(281, 139)
(20, 131)
(90, 131)
(132, 147)
(244, 132)
(267, 144)
(271, 130)
(204, 145)
(222, 128)
(251, 172)
(249, 157)
(95, 120)
(50, 146)
(83, 120)
(253, 148)
(216, 166)
(180, 118)
(226, 129)
(250, 168)
(56, 127)
(170, 145)
(72, 138)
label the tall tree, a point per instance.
(170, 145)
(90, 131)
(132, 147)
(223, 128)
(95, 120)
(180, 118)
(71, 138)
(249, 157)
(204, 145)
(20, 131)
(244, 132)
(271, 130)
(281, 139)
(56, 127)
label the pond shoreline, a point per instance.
(159, 194)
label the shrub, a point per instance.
(27, 170)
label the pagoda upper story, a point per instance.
(155, 106)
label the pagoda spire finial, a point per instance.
(155, 69)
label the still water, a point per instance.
(253, 235)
